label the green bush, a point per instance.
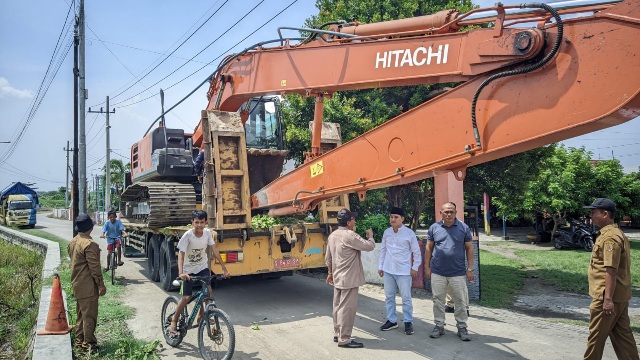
(20, 283)
(262, 222)
(378, 223)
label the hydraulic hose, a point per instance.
(520, 71)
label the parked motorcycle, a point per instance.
(577, 235)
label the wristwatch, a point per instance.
(470, 269)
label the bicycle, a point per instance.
(112, 261)
(215, 324)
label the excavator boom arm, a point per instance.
(592, 83)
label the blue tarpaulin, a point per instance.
(19, 188)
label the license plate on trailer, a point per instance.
(286, 263)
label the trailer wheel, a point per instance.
(168, 270)
(153, 257)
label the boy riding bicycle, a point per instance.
(113, 230)
(194, 244)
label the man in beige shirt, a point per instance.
(346, 275)
(86, 280)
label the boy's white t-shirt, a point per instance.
(195, 249)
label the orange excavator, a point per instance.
(534, 75)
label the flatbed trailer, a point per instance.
(274, 252)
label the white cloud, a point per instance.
(7, 90)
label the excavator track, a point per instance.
(158, 204)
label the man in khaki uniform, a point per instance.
(346, 275)
(86, 280)
(609, 286)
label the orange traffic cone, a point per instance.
(57, 317)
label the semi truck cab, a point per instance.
(19, 210)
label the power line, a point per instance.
(200, 52)
(43, 88)
(225, 62)
(614, 146)
(92, 123)
(18, 172)
(140, 49)
(34, 108)
(209, 63)
(122, 156)
(99, 160)
(183, 35)
(172, 52)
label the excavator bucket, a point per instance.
(225, 190)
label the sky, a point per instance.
(125, 41)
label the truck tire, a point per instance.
(168, 269)
(153, 257)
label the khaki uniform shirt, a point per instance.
(86, 274)
(343, 257)
(611, 249)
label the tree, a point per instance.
(564, 185)
(506, 180)
(631, 191)
(117, 171)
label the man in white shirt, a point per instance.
(193, 261)
(399, 243)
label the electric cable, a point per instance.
(37, 100)
(200, 52)
(209, 63)
(35, 105)
(135, 78)
(92, 123)
(140, 49)
(172, 52)
(20, 172)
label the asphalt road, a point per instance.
(294, 320)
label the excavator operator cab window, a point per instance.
(263, 128)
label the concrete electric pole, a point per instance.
(66, 192)
(82, 144)
(107, 180)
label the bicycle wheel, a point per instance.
(113, 268)
(216, 336)
(168, 309)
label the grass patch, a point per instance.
(19, 269)
(114, 338)
(567, 270)
(494, 243)
(501, 279)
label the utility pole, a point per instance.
(107, 179)
(66, 191)
(82, 153)
(96, 188)
(75, 191)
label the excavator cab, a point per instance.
(263, 128)
(265, 148)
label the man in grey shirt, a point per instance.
(448, 242)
